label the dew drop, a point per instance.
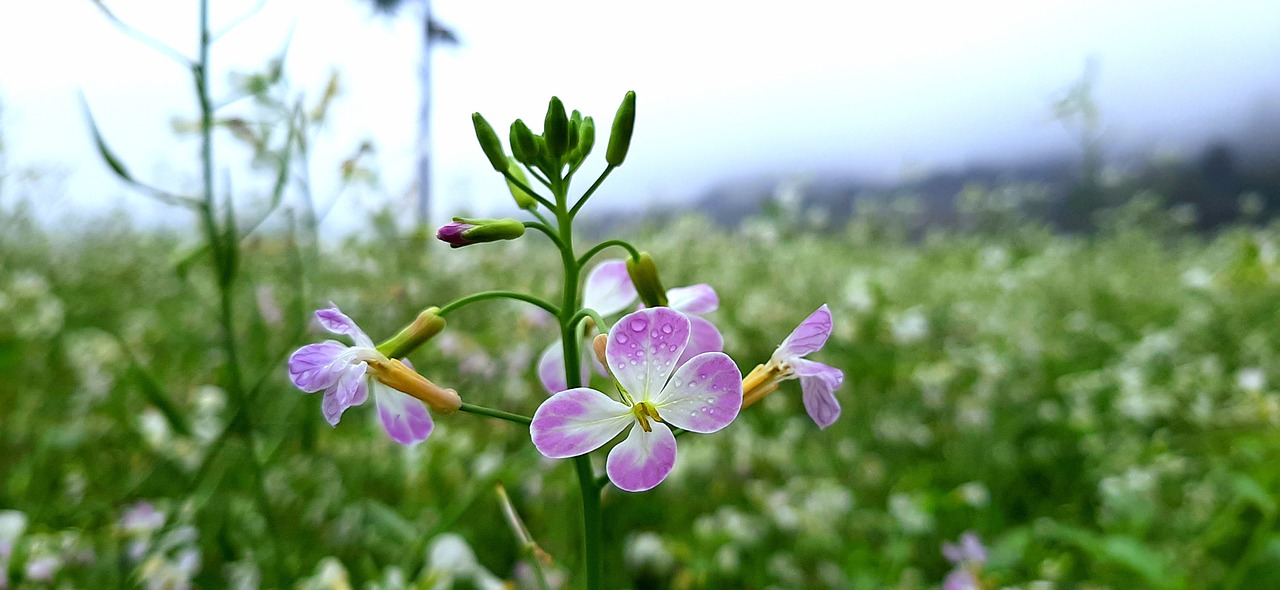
(666, 328)
(622, 339)
(672, 348)
(638, 325)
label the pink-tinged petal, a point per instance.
(808, 337)
(405, 418)
(700, 298)
(643, 349)
(960, 579)
(551, 368)
(819, 383)
(311, 367)
(333, 320)
(704, 395)
(643, 460)
(350, 390)
(608, 289)
(577, 421)
(703, 337)
(972, 548)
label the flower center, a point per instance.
(644, 411)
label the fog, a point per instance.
(725, 90)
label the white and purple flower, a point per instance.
(817, 381)
(609, 290)
(347, 373)
(968, 556)
(643, 349)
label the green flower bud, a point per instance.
(489, 142)
(523, 200)
(644, 275)
(464, 232)
(524, 146)
(624, 122)
(586, 140)
(555, 129)
(424, 328)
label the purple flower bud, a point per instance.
(452, 234)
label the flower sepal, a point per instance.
(400, 377)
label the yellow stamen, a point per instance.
(644, 411)
(396, 375)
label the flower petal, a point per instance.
(608, 289)
(333, 320)
(551, 368)
(350, 390)
(819, 383)
(808, 337)
(700, 298)
(960, 579)
(577, 421)
(643, 460)
(703, 337)
(311, 367)
(704, 395)
(405, 419)
(643, 349)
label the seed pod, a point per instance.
(624, 122)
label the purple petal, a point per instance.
(819, 383)
(350, 390)
(405, 418)
(551, 368)
(704, 395)
(608, 289)
(972, 548)
(643, 460)
(577, 421)
(700, 298)
(960, 579)
(333, 320)
(703, 337)
(808, 337)
(952, 552)
(643, 349)
(310, 367)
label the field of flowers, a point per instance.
(1099, 412)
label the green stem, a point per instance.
(585, 258)
(587, 195)
(492, 413)
(592, 526)
(524, 187)
(544, 228)
(486, 295)
(587, 313)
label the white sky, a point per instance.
(725, 89)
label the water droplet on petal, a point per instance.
(672, 348)
(666, 328)
(622, 339)
(638, 325)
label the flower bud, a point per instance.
(423, 328)
(586, 141)
(644, 275)
(489, 142)
(464, 232)
(575, 121)
(396, 375)
(523, 200)
(620, 136)
(555, 129)
(524, 146)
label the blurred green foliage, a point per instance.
(1102, 410)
